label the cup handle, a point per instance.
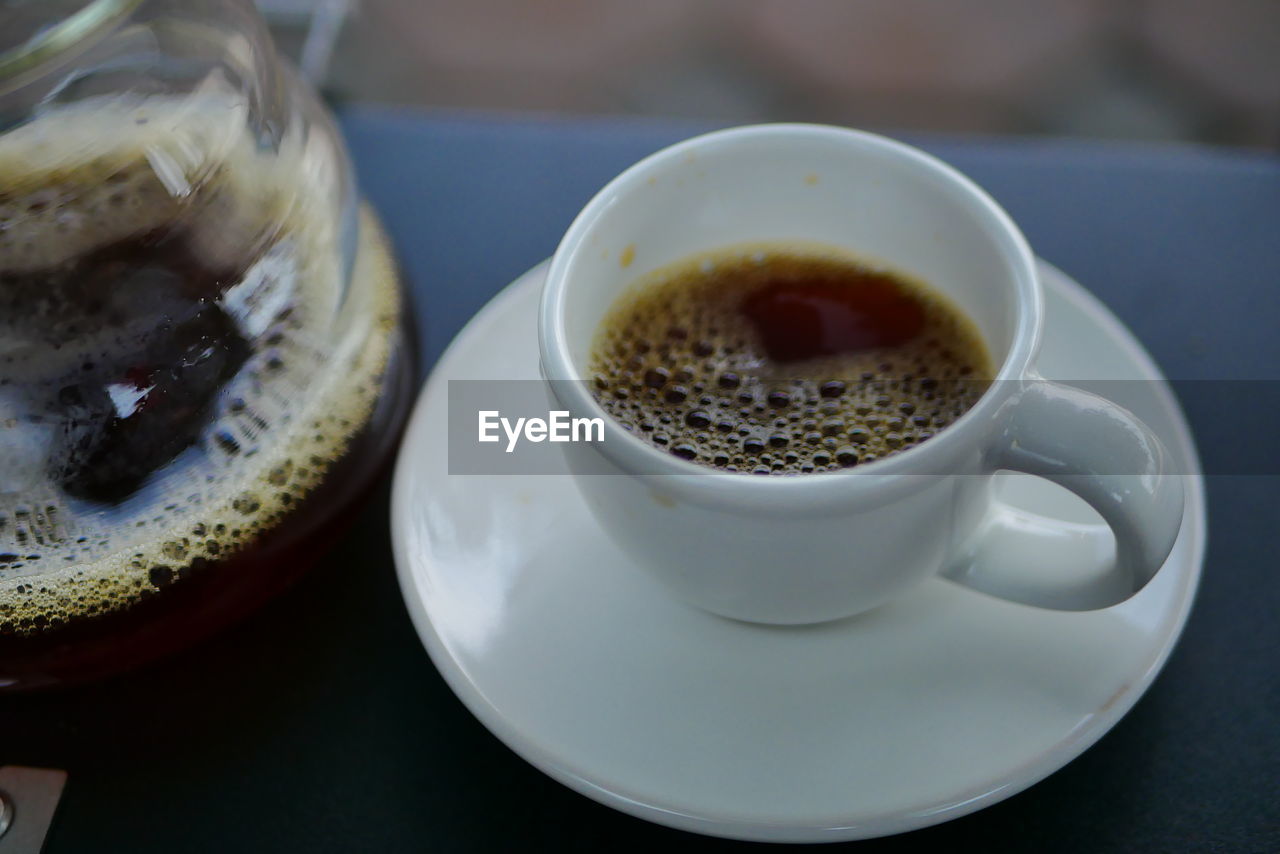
(1102, 453)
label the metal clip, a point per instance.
(28, 799)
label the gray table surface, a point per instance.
(319, 724)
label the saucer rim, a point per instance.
(1033, 770)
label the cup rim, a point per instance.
(634, 456)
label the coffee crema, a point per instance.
(786, 359)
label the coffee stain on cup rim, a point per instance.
(627, 255)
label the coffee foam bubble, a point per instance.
(319, 349)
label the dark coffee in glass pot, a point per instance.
(202, 363)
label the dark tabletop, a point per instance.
(319, 724)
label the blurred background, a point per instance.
(1182, 70)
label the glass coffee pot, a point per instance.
(203, 356)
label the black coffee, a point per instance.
(190, 391)
(782, 360)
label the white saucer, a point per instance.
(931, 707)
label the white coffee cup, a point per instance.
(813, 547)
